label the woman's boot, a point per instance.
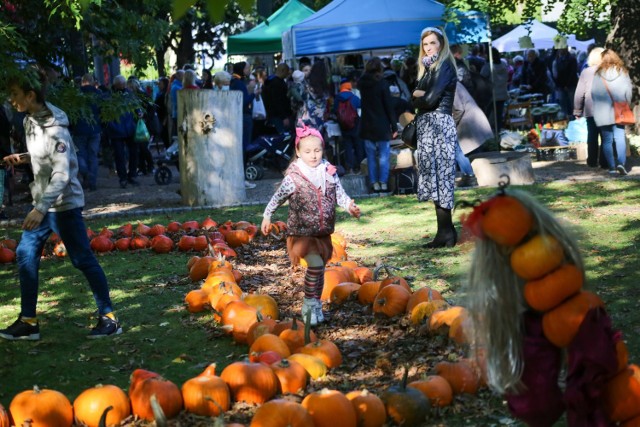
(446, 237)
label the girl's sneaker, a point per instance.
(106, 326)
(318, 311)
(309, 311)
(21, 330)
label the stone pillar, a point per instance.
(490, 166)
(210, 140)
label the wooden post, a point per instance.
(210, 139)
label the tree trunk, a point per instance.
(210, 138)
(625, 37)
(186, 52)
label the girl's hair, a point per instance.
(444, 54)
(595, 56)
(318, 79)
(610, 59)
(496, 301)
(374, 67)
(303, 131)
(32, 78)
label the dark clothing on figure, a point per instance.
(440, 90)
(276, 101)
(377, 121)
(534, 74)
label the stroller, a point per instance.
(163, 174)
(264, 151)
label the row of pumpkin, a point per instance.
(188, 236)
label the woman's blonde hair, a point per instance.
(444, 54)
(595, 56)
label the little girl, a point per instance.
(313, 189)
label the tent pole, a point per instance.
(493, 86)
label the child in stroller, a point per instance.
(162, 174)
(267, 151)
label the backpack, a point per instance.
(406, 180)
(347, 115)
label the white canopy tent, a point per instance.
(541, 35)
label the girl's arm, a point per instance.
(344, 201)
(286, 189)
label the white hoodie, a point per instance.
(56, 187)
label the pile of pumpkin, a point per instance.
(8, 250)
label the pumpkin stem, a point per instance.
(405, 376)
(158, 413)
(294, 324)
(103, 417)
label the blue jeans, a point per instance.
(463, 162)
(70, 226)
(378, 151)
(123, 148)
(613, 135)
(88, 148)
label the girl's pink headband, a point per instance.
(304, 131)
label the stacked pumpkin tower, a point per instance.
(532, 316)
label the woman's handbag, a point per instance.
(409, 134)
(621, 111)
(142, 133)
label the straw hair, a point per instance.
(496, 302)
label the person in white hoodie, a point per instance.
(57, 207)
(611, 83)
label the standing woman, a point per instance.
(315, 97)
(378, 124)
(610, 83)
(436, 131)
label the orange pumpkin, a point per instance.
(200, 269)
(197, 301)
(161, 244)
(370, 410)
(292, 376)
(281, 413)
(270, 342)
(551, 290)
(506, 221)
(622, 395)
(326, 351)
(219, 300)
(208, 224)
(190, 226)
(294, 336)
(102, 244)
(561, 324)
(406, 406)
(460, 375)
(265, 304)
(200, 243)
(343, 292)
(459, 329)
(424, 310)
(7, 255)
(328, 406)
(633, 422)
(157, 230)
(391, 301)
(436, 389)
(142, 229)
(440, 320)
(264, 325)
(186, 243)
(43, 407)
(364, 274)
(9, 244)
(167, 393)
(250, 382)
(395, 280)
(237, 318)
(89, 406)
(537, 257)
(174, 227)
(207, 394)
(423, 295)
(236, 238)
(368, 291)
(123, 244)
(333, 276)
(139, 241)
(622, 355)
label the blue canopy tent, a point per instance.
(362, 25)
(267, 36)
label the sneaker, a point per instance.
(309, 310)
(318, 311)
(20, 330)
(106, 326)
(123, 183)
(613, 172)
(376, 187)
(468, 181)
(621, 170)
(249, 185)
(383, 187)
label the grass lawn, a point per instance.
(160, 335)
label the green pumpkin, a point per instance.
(406, 406)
